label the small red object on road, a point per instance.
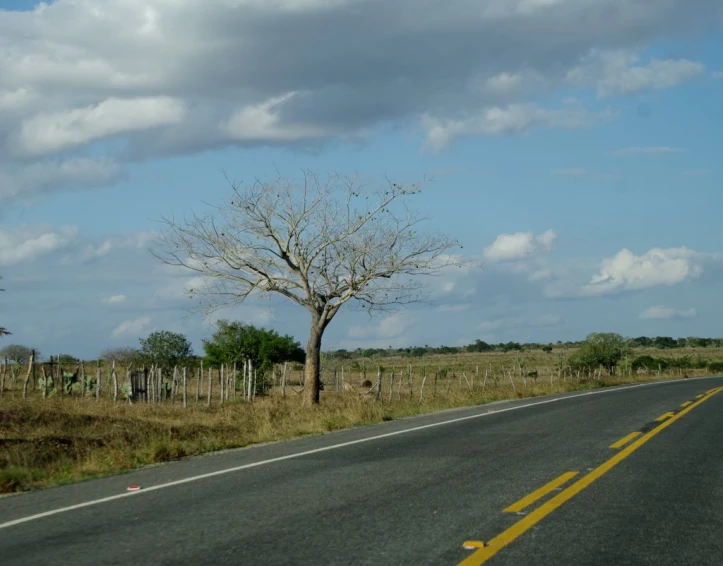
(134, 487)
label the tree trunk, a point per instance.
(313, 364)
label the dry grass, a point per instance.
(45, 442)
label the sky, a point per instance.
(572, 146)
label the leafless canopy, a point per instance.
(318, 243)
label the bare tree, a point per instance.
(317, 243)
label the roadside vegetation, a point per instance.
(56, 434)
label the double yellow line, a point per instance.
(496, 544)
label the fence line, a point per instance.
(153, 385)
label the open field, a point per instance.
(66, 438)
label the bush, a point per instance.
(715, 367)
(600, 349)
(649, 363)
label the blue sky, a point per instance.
(581, 169)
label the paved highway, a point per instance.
(628, 475)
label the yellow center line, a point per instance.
(664, 416)
(528, 521)
(625, 439)
(686, 403)
(540, 493)
(701, 395)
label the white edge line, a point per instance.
(319, 450)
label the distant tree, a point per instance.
(510, 346)
(604, 349)
(165, 349)
(547, 348)
(479, 346)
(447, 350)
(664, 342)
(123, 355)
(234, 342)
(342, 354)
(641, 342)
(65, 359)
(17, 353)
(696, 342)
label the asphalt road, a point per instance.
(413, 491)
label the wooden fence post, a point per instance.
(199, 375)
(82, 378)
(378, 396)
(97, 381)
(253, 389)
(410, 376)
(129, 382)
(114, 377)
(174, 385)
(283, 382)
(210, 387)
(45, 382)
(2, 377)
(185, 389)
(221, 381)
(233, 378)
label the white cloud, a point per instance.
(168, 78)
(95, 251)
(87, 253)
(262, 122)
(114, 300)
(52, 132)
(540, 274)
(131, 328)
(717, 74)
(617, 72)
(510, 247)
(246, 313)
(512, 119)
(29, 183)
(661, 312)
(656, 267)
(389, 327)
(27, 243)
(13, 100)
(647, 151)
(182, 288)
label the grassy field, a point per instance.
(62, 439)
